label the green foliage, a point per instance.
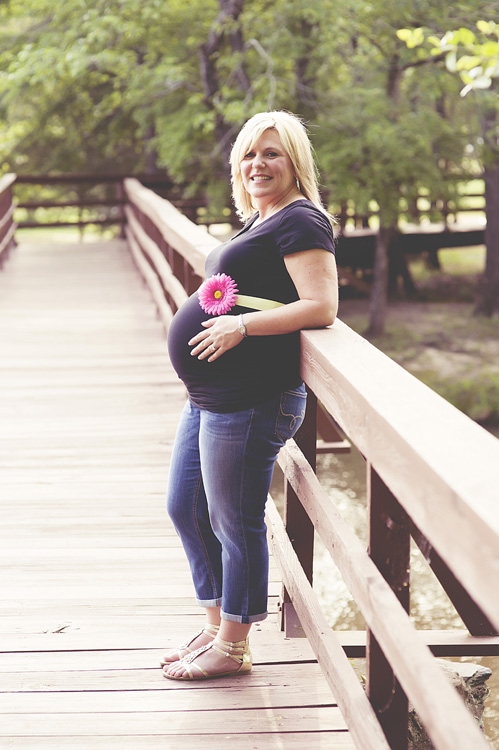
(475, 57)
(477, 396)
(123, 85)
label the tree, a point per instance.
(390, 139)
(104, 84)
(474, 57)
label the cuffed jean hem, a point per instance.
(209, 602)
(244, 619)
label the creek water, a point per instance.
(344, 478)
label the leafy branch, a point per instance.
(474, 57)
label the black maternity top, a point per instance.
(260, 367)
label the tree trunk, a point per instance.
(151, 155)
(398, 268)
(226, 26)
(306, 88)
(379, 292)
(489, 300)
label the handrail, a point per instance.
(432, 473)
(441, 466)
(104, 210)
(7, 224)
(111, 187)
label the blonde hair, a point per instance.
(296, 143)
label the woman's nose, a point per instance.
(258, 160)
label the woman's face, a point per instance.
(267, 171)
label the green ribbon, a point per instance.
(258, 303)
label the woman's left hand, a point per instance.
(221, 335)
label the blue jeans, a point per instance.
(220, 476)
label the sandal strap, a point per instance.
(211, 630)
(188, 642)
(234, 650)
(194, 654)
(180, 652)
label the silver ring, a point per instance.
(212, 347)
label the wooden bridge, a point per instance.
(94, 585)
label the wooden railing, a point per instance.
(7, 225)
(97, 199)
(432, 474)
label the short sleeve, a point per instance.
(304, 227)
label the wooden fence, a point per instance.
(432, 475)
(7, 224)
(96, 199)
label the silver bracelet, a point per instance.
(241, 327)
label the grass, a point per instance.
(458, 261)
(66, 234)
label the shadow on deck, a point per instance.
(94, 584)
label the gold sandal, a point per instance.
(238, 651)
(210, 630)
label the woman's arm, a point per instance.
(315, 277)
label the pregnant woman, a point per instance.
(235, 344)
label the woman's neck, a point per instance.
(266, 210)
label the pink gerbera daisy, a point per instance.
(218, 294)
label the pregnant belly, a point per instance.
(186, 323)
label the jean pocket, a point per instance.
(291, 413)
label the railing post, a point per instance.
(7, 224)
(298, 525)
(389, 548)
(120, 199)
(471, 614)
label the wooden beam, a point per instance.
(70, 204)
(194, 243)
(7, 240)
(172, 286)
(440, 642)
(6, 181)
(471, 614)
(339, 674)
(389, 549)
(151, 280)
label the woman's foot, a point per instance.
(201, 638)
(217, 659)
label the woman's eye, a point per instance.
(271, 153)
(249, 155)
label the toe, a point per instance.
(173, 670)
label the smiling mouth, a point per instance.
(260, 178)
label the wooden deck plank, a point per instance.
(94, 585)
(79, 688)
(261, 741)
(137, 634)
(167, 723)
(267, 649)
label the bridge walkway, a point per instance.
(93, 582)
